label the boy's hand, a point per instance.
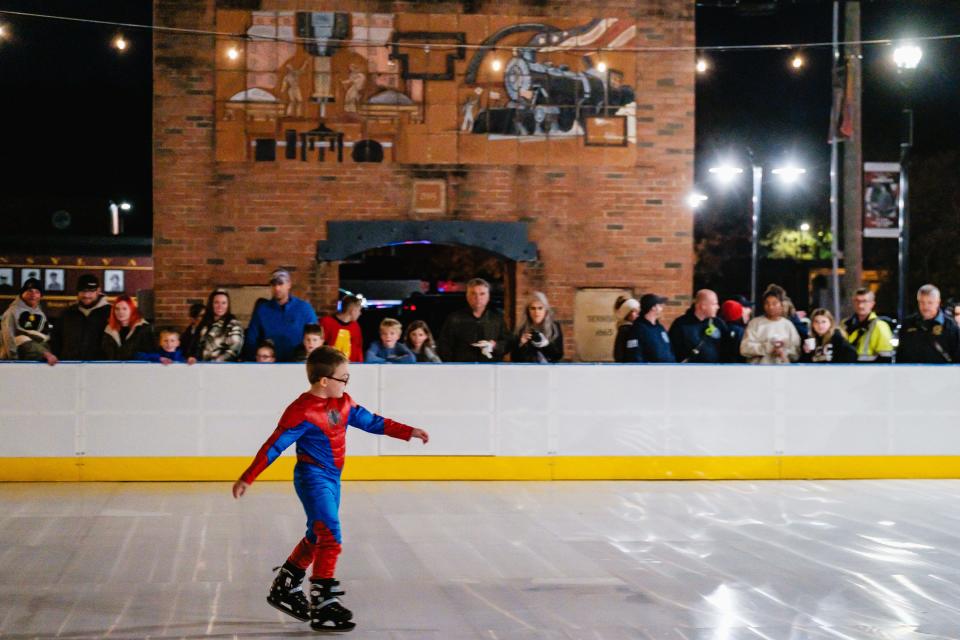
(239, 488)
(166, 361)
(420, 433)
(191, 360)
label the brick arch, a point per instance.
(347, 238)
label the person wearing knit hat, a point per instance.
(626, 311)
(24, 330)
(648, 340)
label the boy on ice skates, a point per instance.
(317, 422)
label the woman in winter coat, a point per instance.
(220, 333)
(626, 310)
(771, 338)
(830, 343)
(127, 333)
(420, 340)
(539, 338)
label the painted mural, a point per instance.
(339, 87)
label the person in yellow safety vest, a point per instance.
(870, 335)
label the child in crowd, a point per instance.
(388, 349)
(168, 351)
(827, 343)
(312, 338)
(420, 341)
(317, 422)
(191, 334)
(266, 352)
(342, 329)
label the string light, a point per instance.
(496, 65)
(3, 32)
(233, 53)
(602, 67)
(702, 65)
(120, 43)
(346, 42)
(797, 62)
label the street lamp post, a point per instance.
(906, 56)
(726, 174)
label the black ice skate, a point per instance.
(326, 612)
(287, 595)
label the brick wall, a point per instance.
(595, 226)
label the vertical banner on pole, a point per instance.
(881, 189)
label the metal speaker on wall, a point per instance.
(367, 151)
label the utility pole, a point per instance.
(853, 162)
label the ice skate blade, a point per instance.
(341, 627)
(280, 607)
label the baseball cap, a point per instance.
(280, 275)
(31, 283)
(87, 282)
(649, 301)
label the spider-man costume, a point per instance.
(319, 427)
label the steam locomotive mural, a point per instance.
(546, 98)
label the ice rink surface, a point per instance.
(505, 560)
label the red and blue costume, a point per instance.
(319, 427)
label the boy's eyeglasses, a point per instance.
(344, 380)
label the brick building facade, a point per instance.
(229, 222)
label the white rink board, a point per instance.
(146, 410)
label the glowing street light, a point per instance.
(726, 173)
(907, 56)
(789, 173)
(115, 226)
(695, 200)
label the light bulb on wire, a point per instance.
(120, 43)
(797, 62)
(3, 32)
(702, 65)
(496, 65)
(602, 67)
(233, 53)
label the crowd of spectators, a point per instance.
(285, 328)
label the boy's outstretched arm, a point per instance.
(372, 423)
(239, 488)
(420, 433)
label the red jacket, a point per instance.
(344, 337)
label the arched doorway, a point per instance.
(396, 261)
(423, 281)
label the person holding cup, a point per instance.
(771, 338)
(828, 343)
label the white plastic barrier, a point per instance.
(122, 420)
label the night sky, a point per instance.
(78, 114)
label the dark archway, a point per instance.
(422, 281)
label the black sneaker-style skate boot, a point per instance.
(326, 612)
(286, 593)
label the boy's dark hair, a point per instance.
(196, 309)
(322, 362)
(313, 330)
(349, 301)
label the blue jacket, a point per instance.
(648, 343)
(154, 356)
(696, 340)
(377, 353)
(281, 323)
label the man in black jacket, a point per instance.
(930, 336)
(78, 332)
(699, 335)
(476, 334)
